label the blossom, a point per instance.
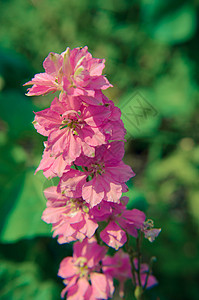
(71, 132)
(74, 72)
(82, 273)
(150, 233)
(70, 217)
(121, 221)
(118, 267)
(113, 235)
(103, 178)
(85, 148)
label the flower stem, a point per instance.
(97, 236)
(138, 244)
(139, 289)
(131, 252)
(152, 260)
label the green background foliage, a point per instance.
(151, 49)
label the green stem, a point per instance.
(97, 236)
(99, 241)
(138, 240)
(139, 289)
(152, 260)
(130, 252)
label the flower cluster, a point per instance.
(85, 148)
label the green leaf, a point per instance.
(23, 219)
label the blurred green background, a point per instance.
(151, 48)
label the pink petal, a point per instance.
(77, 291)
(113, 235)
(52, 63)
(102, 285)
(43, 83)
(67, 268)
(93, 192)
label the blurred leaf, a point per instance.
(168, 98)
(12, 164)
(177, 26)
(22, 281)
(24, 217)
(149, 8)
(193, 199)
(17, 111)
(14, 69)
(178, 165)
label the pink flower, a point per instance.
(104, 177)
(113, 235)
(70, 217)
(118, 267)
(146, 278)
(121, 221)
(85, 148)
(74, 72)
(81, 273)
(71, 132)
(150, 233)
